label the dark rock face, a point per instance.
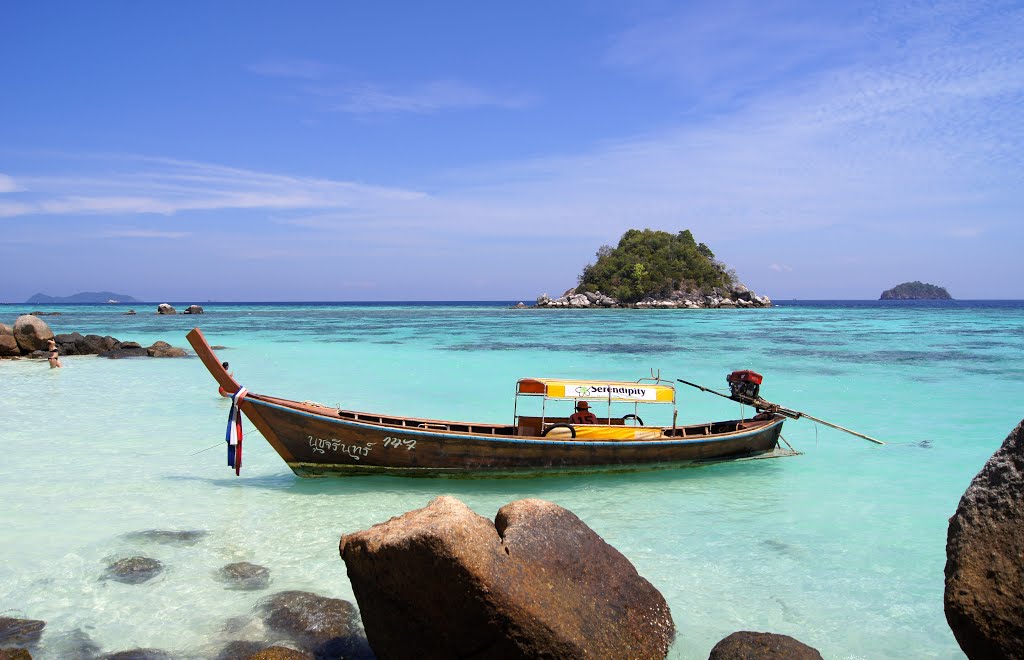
(536, 583)
(77, 344)
(326, 627)
(984, 598)
(184, 537)
(193, 309)
(24, 632)
(245, 576)
(164, 308)
(134, 570)
(31, 333)
(119, 353)
(762, 646)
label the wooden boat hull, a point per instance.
(315, 444)
(316, 440)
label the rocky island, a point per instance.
(916, 291)
(656, 269)
(84, 297)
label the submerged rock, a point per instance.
(281, 653)
(134, 570)
(536, 583)
(245, 576)
(72, 645)
(240, 650)
(138, 654)
(747, 645)
(984, 597)
(168, 537)
(15, 654)
(24, 632)
(327, 627)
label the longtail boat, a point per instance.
(318, 440)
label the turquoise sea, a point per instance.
(842, 547)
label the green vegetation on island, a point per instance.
(916, 291)
(649, 263)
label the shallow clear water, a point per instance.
(842, 547)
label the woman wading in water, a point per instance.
(54, 358)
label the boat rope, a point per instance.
(233, 435)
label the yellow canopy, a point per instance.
(597, 390)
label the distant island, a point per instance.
(916, 291)
(85, 297)
(652, 268)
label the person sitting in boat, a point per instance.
(583, 414)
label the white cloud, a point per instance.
(7, 184)
(781, 268)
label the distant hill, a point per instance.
(916, 291)
(85, 297)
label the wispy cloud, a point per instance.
(423, 98)
(780, 268)
(7, 184)
(129, 184)
(144, 233)
(289, 67)
(724, 50)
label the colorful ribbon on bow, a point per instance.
(233, 436)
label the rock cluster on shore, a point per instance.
(29, 336)
(737, 297)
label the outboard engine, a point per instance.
(744, 385)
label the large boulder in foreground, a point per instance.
(536, 583)
(31, 333)
(984, 598)
(745, 645)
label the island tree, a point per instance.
(654, 263)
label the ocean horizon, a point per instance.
(841, 547)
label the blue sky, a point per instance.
(195, 151)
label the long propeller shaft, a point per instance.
(768, 406)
